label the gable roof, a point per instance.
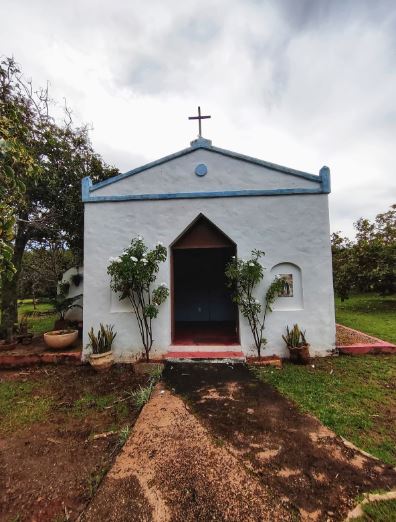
(201, 143)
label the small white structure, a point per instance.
(75, 313)
(206, 204)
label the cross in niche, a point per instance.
(199, 118)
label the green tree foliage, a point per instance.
(42, 269)
(344, 273)
(18, 161)
(368, 263)
(41, 166)
(133, 275)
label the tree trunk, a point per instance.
(9, 290)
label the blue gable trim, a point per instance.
(86, 185)
(206, 144)
(202, 195)
(324, 175)
(323, 180)
(147, 166)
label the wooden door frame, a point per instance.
(172, 294)
(228, 244)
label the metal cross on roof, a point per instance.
(199, 118)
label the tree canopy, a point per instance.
(42, 163)
(368, 263)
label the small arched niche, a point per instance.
(292, 296)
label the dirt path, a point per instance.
(293, 454)
(172, 469)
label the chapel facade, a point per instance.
(207, 204)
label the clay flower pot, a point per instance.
(300, 355)
(60, 339)
(102, 361)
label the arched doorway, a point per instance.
(202, 309)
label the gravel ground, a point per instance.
(345, 336)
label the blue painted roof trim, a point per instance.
(206, 144)
(323, 179)
(201, 195)
(324, 175)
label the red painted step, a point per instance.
(205, 355)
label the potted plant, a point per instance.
(62, 304)
(297, 344)
(17, 334)
(76, 279)
(60, 339)
(101, 344)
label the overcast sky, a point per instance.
(302, 83)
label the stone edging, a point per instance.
(377, 346)
(10, 360)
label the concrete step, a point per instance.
(205, 348)
(205, 355)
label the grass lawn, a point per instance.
(379, 511)
(353, 396)
(370, 313)
(20, 405)
(38, 324)
(60, 429)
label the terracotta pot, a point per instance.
(59, 341)
(102, 361)
(300, 355)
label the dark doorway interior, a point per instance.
(203, 311)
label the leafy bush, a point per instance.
(132, 276)
(62, 304)
(369, 262)
(243, 277)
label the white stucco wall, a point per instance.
(75, 313)
(224, 173)
(290, 229)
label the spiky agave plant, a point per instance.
(102, 341)
(108, 335)
(294, 338)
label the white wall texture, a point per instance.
(290, 229)
(224, 173)
(75, 313)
